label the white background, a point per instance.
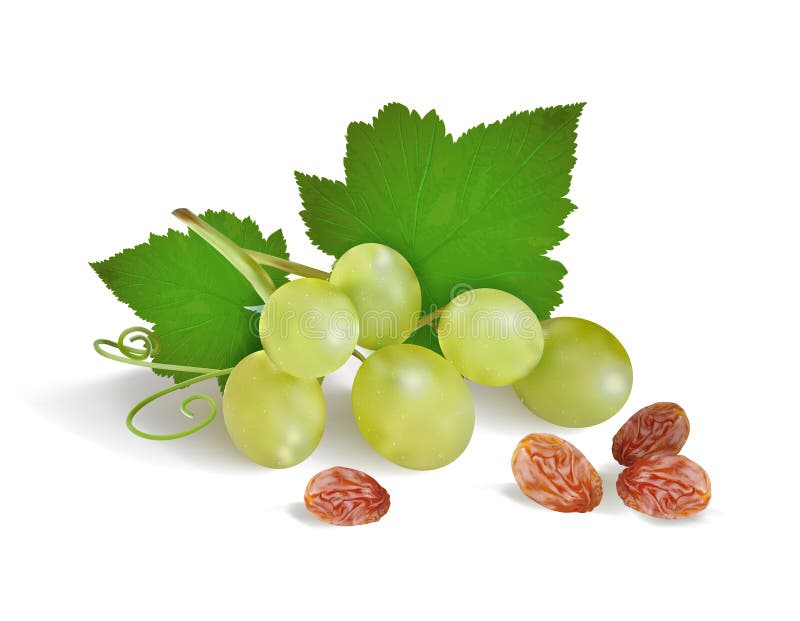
(684, 245)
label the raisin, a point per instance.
(554, 473)
(665, 486)
(658, 428)
(346, 497)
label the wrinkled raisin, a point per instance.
(346, 497)
(665, 486)
(554, 473)
(658, 428)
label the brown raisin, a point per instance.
(346, 497)
(554, 473)
(658, 428)
(665, 486)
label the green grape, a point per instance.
(308, 327)
(275, 419)
(583, 378)
(412, 407)
(491, 336)
(385, 291)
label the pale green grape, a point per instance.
(491, 336)
(583, 378)
(272, 417)
(308, 327)
(412, 406)
(385, 291)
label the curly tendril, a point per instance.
(139, 356)
(184, 408)
(147, 337)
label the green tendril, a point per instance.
(184, 408)
(139, 356)
(147, 337)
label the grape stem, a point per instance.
(428, 319)
(287, 266)
(237, 257)
(359, 355)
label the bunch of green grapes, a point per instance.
(411, 404)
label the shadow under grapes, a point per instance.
(96, 410)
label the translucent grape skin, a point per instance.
(492, 337)
(583, 378)
(308, 328)
(413, 407)
(384, 290)
(273, 418)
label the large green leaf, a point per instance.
(480, 211)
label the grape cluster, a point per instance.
(412, 405)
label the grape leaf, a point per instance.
(479, 211)
(194, 298)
